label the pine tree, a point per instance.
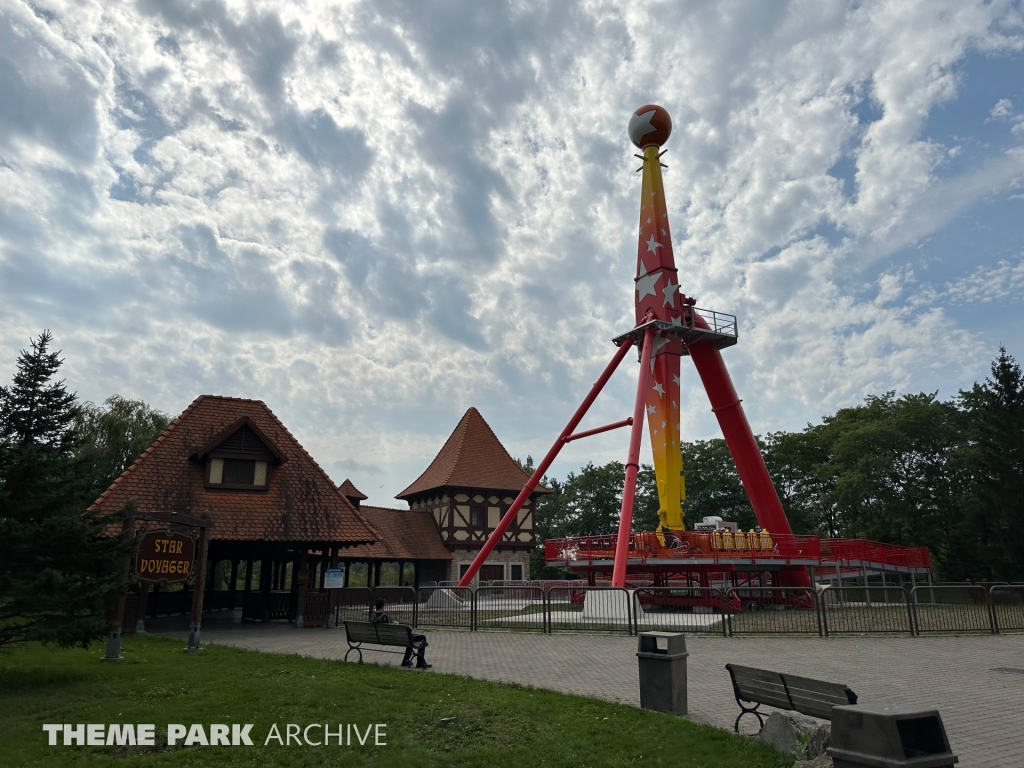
(994, 501)
(57, 568)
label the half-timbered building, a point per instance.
(467, 489)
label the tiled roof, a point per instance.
(406, 534)
(349, 491)
(471, 458)
(300, 505)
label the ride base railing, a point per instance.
(743, 547)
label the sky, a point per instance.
(374, 215)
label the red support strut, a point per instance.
(632, 464)
(725, 404)
(538, 473)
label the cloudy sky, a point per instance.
(373, 215)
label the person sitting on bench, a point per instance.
(419, 642)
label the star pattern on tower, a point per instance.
(653, 245)
(659, 389)
(645, 285)
(669, 292)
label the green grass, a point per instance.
(494, 725)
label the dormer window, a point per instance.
(239, 458)
(237, 473)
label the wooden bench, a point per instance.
(359, 632)
(774, 689)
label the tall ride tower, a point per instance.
(668, 327)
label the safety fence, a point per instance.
(709, 611)
(689, 609)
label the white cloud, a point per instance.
(373, 215)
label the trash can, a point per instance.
(888, 737)
(662, 660)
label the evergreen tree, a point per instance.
(57, 569)
(989, 541)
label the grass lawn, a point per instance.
(493, 725)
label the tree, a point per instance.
(57, 569)
(713, 485)
(111, 438)
(989, 540)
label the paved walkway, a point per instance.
(982, 708)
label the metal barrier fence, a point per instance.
(692, 609)
(510, 607)
(952, 608)
(402, 603)
(774, 610)
(589, 609)
(695, 610)
(352, 604)
(449, 607)
(1007, 604)
(853, 610)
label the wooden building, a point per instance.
(467, 488)
(277, 520)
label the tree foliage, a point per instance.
(56, 570)
(113, 436)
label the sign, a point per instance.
(302, 577)
(334, 578)
(165, 557)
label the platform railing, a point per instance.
(712, 547)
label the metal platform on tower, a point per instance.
(694, 325)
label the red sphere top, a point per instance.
(649, 125)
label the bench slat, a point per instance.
(361, 632)
(393, 634)
(378, 634)
(818, 687)
(804, 694)
(772, 697)
(760, 685)
(751, 673)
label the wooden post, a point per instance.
(234, 579)
(140, 624)
(197, 594)
(299, 587)
(266, 580)
(115, 606)
(348, 570)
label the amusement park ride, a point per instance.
(668, 327)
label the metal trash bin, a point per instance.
(662, 661)
(888, 737)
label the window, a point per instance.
(463, 567)
(241, 472)
(237, 473)
(478, 517)
(517, 573)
